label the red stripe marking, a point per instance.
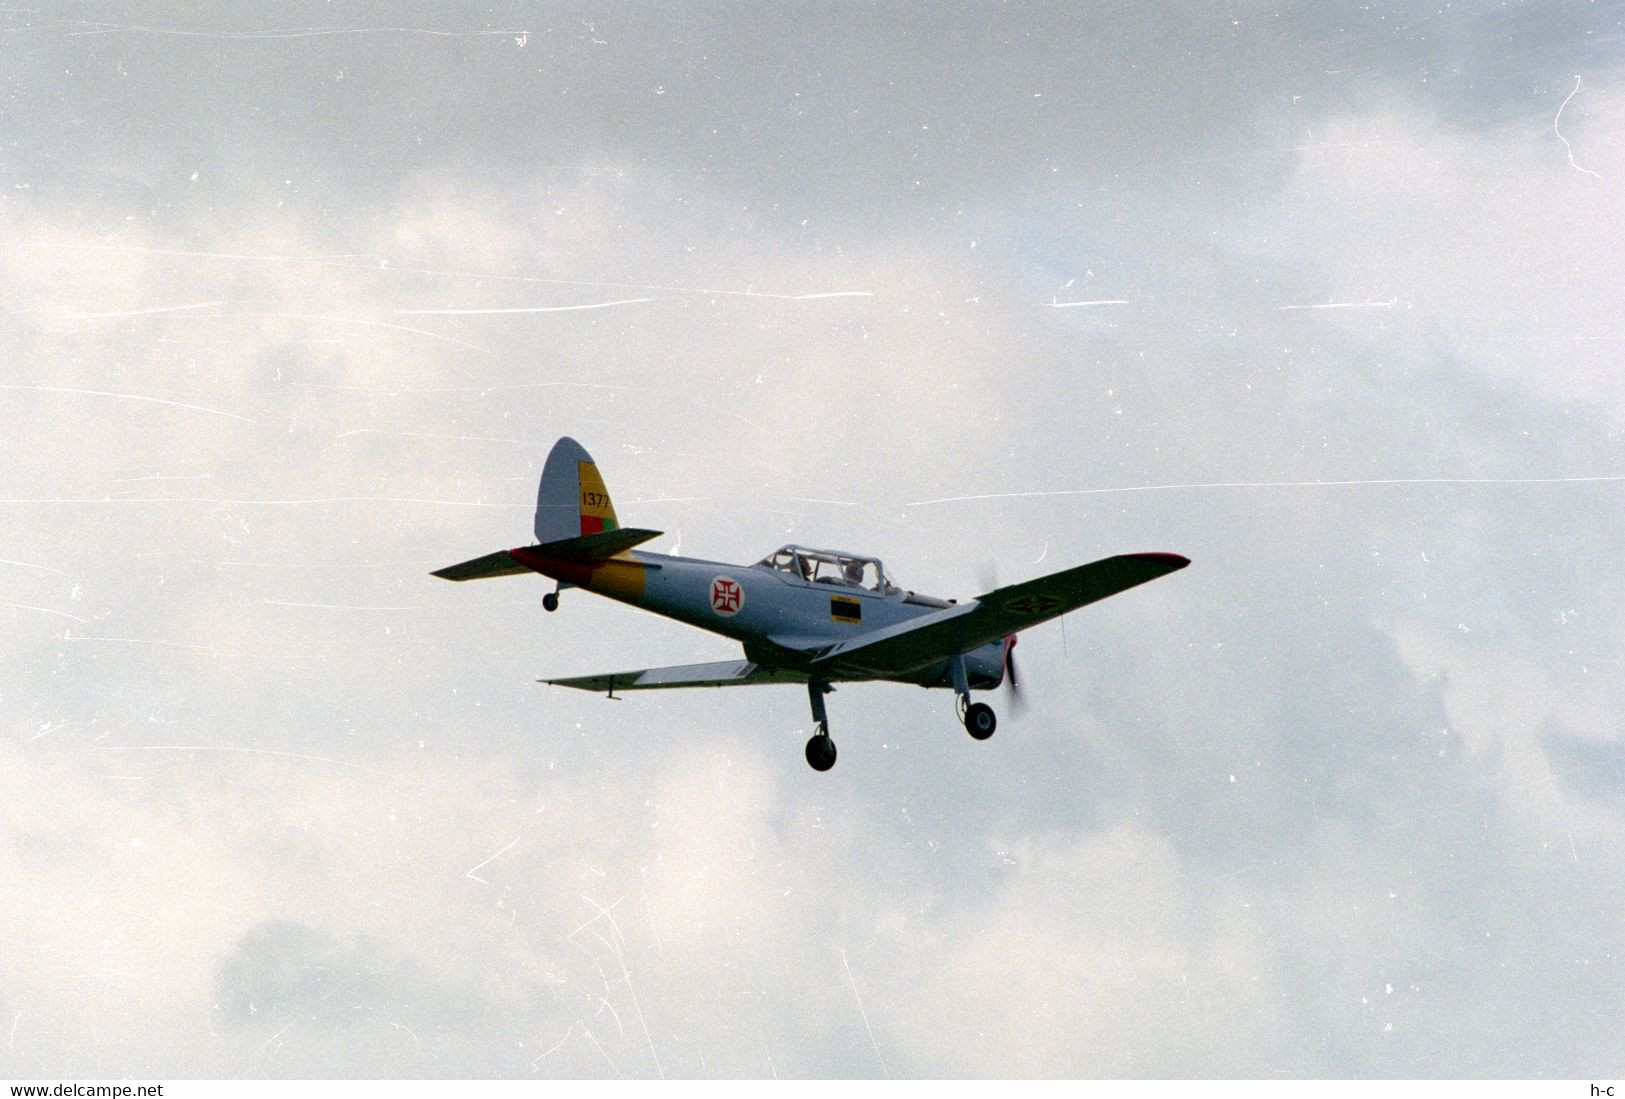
(574, 572)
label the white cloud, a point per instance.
(1488, 241)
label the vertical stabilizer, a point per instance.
(572, 500)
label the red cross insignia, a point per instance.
(726, 596)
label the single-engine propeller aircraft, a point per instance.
(810, 616)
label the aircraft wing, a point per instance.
(727, 673)
(921, 642)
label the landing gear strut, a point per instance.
(821, 748)
(978, 717)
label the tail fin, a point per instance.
(572, 500)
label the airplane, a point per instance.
(808, 616)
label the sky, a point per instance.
(1325, 297)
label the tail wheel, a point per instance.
(550, 601)
(980, 720)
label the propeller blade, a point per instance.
(1012, 681)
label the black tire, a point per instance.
(550, 602)
(821, 752)
(980, 720)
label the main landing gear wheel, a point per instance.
(550, 601)
(821, 752)
(979, 720)
(820, 749)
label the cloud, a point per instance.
(1487, 246)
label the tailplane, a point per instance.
(589, 549)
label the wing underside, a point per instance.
(727, 673)
(480, 568)
(922, 642)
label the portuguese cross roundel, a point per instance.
(1033, 604)
(726, 596)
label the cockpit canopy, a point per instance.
(830, 567)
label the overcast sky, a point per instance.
(1326, 298)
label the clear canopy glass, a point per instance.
(830, 567)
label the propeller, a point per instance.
(987, 575)
(1012, 681)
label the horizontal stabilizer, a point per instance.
(492, 564)
(727, 673)
(596, 547)
(588, 549)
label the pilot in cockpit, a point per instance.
(853, 572)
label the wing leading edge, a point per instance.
(727, 673)
(922, 642)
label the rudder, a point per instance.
(571, 500)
